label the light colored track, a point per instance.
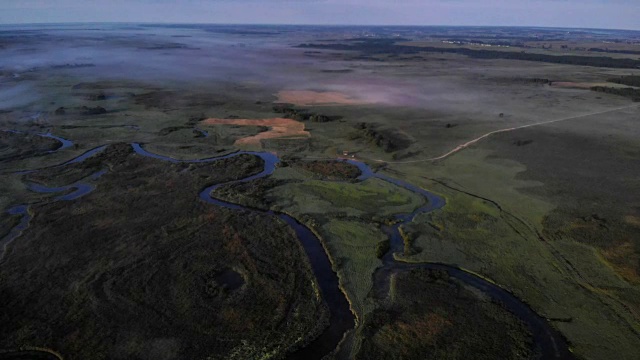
(471, 142)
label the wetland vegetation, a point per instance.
(431, 315)
(391, 193)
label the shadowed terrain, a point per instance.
(115, 275)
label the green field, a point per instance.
(548, 207)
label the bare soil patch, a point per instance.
(278, 128)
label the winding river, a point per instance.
(64, 143)
(547, 340)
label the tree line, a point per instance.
(389, 46)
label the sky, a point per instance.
(611, 14)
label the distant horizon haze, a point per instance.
(78, 23)
(594, 14)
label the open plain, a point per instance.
(271, 192)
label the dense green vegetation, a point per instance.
(631, 80)
(329, 170)
(353, 247)
(115, 275)
(604, 220)
(387, 139)
(583, 232)
(537, 81)
(141, 268)
(97, 110)
(17, 146)
(170, 100)
(370, 197)
(291, 112)
(382, 248)
(8, 222)
(388, 46)
(611, 51)
(28, 355)
(633, 94)
(431, 316)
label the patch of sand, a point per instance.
(316, 98)
(278, 128)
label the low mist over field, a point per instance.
(207, 57)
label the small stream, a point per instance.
(203, 133)
(65, 143)
(546, 339)
(22, 210)
(74, 191)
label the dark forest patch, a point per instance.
(389, 140)
(171, 100)
(153, 275)
(329, 170)
(384, 46)
(434, 317)
(17, 146)
(291, 112)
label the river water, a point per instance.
(547, 341)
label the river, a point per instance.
(547, 341)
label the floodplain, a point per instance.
(272, 192)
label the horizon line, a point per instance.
(309, 24)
